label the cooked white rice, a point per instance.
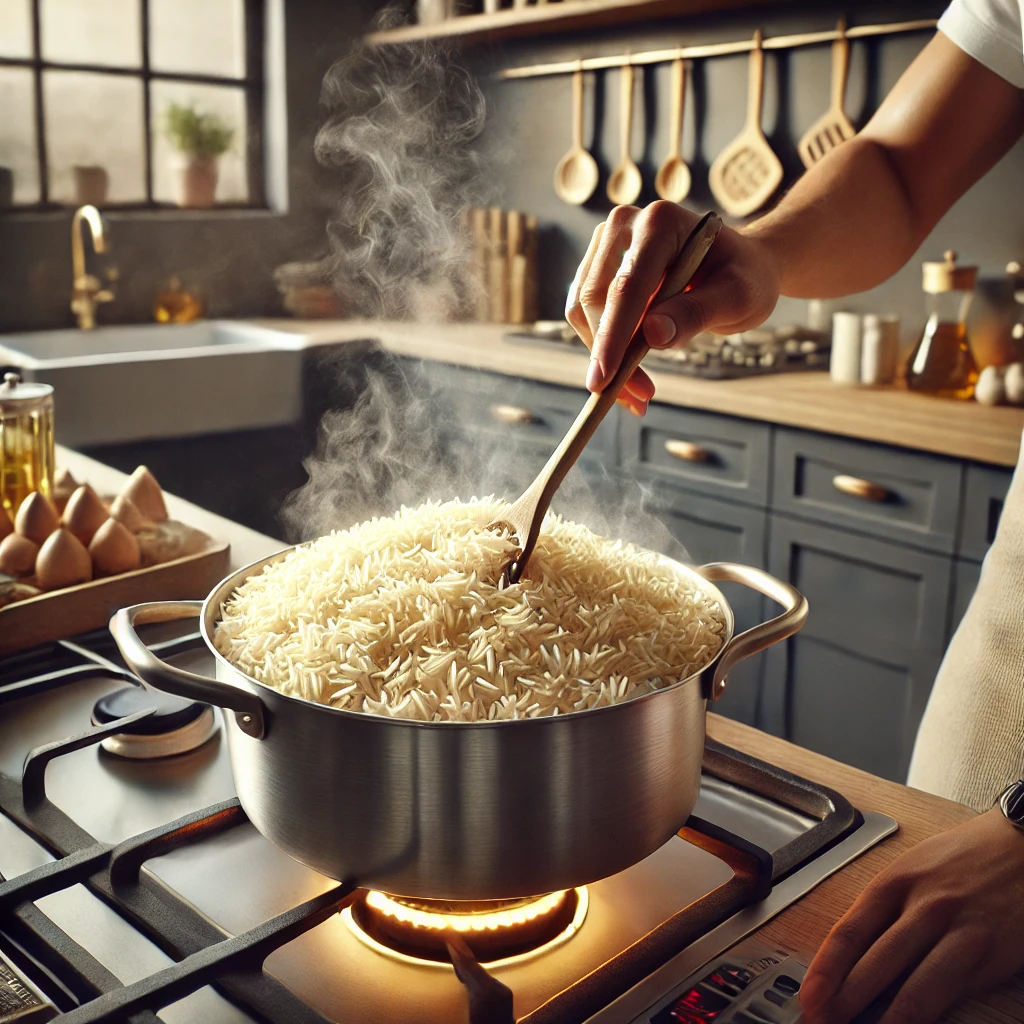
(404, 617)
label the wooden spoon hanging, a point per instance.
(833, 128)
(747, 172)
(626, 183)
(673, 180)
(576, 174)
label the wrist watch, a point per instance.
(1011, 803)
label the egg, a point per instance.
(114, 549)
(143, 489)
(1013, 382)
(36, 518)
(6, 526)
(989, 389)
(127, 513)
(62, 561)
(17, 555)
(64, 485)
(84, 513)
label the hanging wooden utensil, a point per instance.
(833, 128)
(747, 172)
(576, 174)
(673, 180)
(626, 183)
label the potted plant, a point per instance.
(200, 139)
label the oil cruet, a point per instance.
(942, 362)
(26, 441)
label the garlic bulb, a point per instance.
(143, 489)
(989, 389)
(1013, 382)
(62, 561)
(114, 549)
(84, 513)
(36, 518)
(127, 513)
(17, 555)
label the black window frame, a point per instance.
(252, 84)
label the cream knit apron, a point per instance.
(971, 742)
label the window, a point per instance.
(86, 87)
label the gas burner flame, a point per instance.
(497, 933)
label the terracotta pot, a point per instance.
(195, 181)
(91, 184)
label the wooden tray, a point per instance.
(73, 610)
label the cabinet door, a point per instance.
(965, 582)
(711, 530)
(854, 682)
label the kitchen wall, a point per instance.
(228, 255)
(529, 129)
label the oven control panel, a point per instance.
(751, 986)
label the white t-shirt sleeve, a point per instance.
(990, 32)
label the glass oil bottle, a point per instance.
(942, 362)
(26, 441)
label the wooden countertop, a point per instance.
(811, 401)
(801, 927)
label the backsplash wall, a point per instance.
(529, 129)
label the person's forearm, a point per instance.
(820, 250)
(855, 218)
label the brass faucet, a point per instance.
(86, 293)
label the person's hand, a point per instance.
(736, 289)
(949, 912)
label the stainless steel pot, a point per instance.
(463, 811)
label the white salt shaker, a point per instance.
(880, 344)
(844, 365)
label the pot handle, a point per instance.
(250, 713)
(757, 638)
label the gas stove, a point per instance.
(132, 887)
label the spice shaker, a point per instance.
(26, 441)
(844, 365)
(941, 362)
(880, 346)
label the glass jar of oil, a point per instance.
(942, 362)
(26, 441)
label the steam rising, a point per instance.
(401, 121)
(400, 124)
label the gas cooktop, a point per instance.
(132, 884)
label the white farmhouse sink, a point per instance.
(130, 383)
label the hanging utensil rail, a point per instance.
(663, 56)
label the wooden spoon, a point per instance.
(673, 179)
(626, 183)
(526, 514)
(576, 174)
(747, 172)
(833, 128)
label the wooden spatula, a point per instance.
(524, 516)
(747, 172)
(833, 128)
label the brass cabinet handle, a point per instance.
(855, 487)
(687, 451)
(512, 414)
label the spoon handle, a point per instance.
(678, 97)
(533, 504)
(840, 65)
(755, 86)
(627, 111)
(577, 109)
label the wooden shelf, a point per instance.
(550, 18)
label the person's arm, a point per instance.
(848, 224)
